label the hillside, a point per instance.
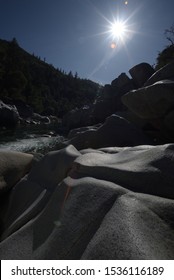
(47, 90)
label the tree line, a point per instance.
(47, 90)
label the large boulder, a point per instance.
(116, 131)
(151, 102)
(104, 108)
(9, 116)
(24, 110)
(144, 169)
(137, 227)
(110, 206)
(106, 93)
(78, 117)
(13, 166)
(132, 118)
(123, 83)
(30, 195)
(109, 100)
(65, 237)
(53, 167)
(165, 73)
(141, 73)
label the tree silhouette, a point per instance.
(169, 34)
(14, 41)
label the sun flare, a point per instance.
(118, 29)
(113, 45)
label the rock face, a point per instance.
(116, 131)
(13, 166)
(109, 101)
(9, 116)
(114, 203)
(138, 167)
(104, 107)
(165, 73)
(141, 73)
(128, 235)
(30, 195)
(151, 102)
(154, 104)
(78, 117)
(123, 83)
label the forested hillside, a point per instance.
(47, 90)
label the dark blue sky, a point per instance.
(72, 34)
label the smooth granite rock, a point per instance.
(146, 169)
(138, 226)
(30, 195)
(13, 166)
(113, 203)
(151, 102)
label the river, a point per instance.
(31, 138)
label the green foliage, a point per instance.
(46, 89)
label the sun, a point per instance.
(118, 29)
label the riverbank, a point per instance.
(105, 193)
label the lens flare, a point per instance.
(113, 45)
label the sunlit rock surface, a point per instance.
(111, 203)
(29, 196)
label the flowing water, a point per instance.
(31, 138)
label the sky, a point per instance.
(77, 35)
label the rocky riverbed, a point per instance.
(108, 191)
